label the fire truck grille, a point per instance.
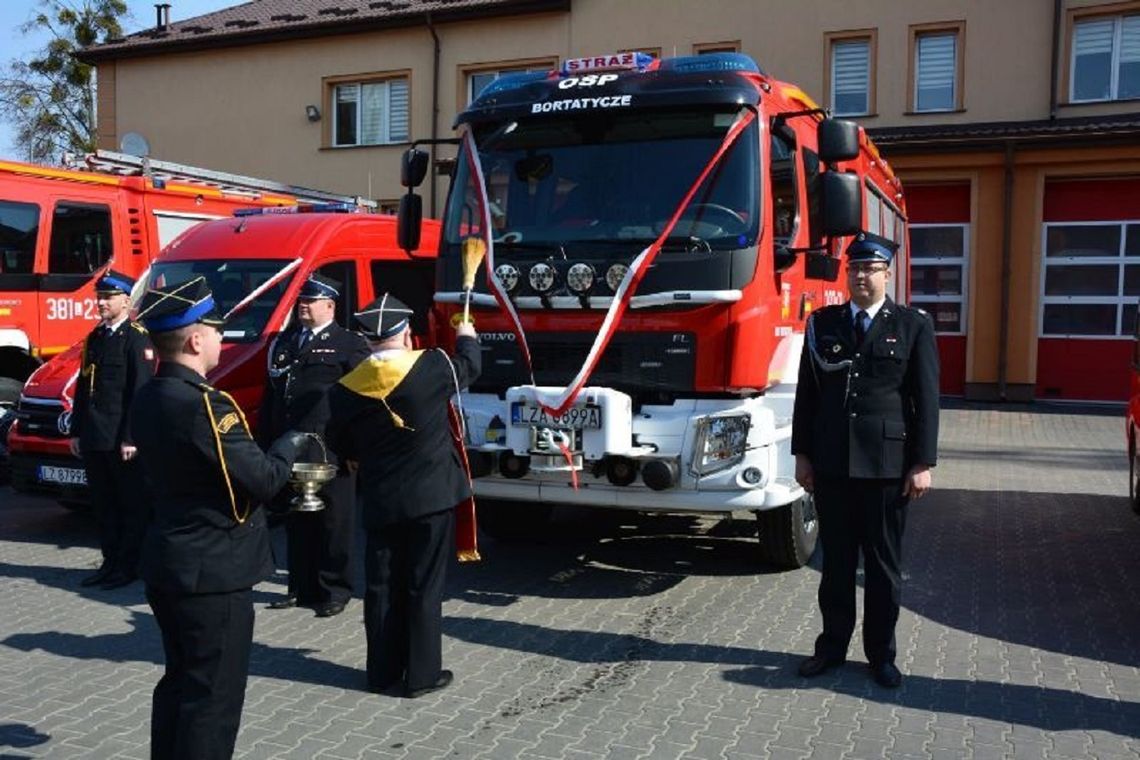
(649, 361)
(40, 418)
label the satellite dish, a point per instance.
(134, 144)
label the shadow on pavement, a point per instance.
(20, 736)
(618, 656)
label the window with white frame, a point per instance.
(370, 113)
(851, 77)
(477, 81)
(1091, 279)
(1105, 63)
(938, 273)
(936, 71)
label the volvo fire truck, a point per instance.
(653, 235)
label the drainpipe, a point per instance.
(434, 111)
(1006, 258)
(1055, 66)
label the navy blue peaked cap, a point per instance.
(868, 246)
(174, 306)
(114, 282)
(319, 287)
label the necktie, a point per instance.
(860, 327)
(306, 334)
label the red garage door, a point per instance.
(939, 250)
(1090, 283)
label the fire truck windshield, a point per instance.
(230, 282)
(610, 178)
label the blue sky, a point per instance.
(14, 45)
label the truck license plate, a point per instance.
(71, 476)
(577, 417)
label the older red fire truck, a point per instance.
(655, 234)
(60, 228)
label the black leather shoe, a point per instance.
(886, 675)
(97, 577)
(391, 689)
(329, 609)
(283, 604)
(444, 680)
(817, 665)
(117, 580)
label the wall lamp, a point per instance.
(313, 113)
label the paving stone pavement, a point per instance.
(630, 636)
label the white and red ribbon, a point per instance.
(557, 405)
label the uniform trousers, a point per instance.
(198, 701)
(117, 494)
(319, 546)
(868, 516)
(405, 567)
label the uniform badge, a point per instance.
(836, 348)
(325, 335)
(148, 354)
(890, 339)
(280, 358)
(226, 423)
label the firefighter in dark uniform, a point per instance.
(304, 361)
(865, 435)
(207, 542)
(390, 417)
(117, 360)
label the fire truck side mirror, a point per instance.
(413, 168)
(408, 221)
(838, 140)
(842, 197)
(821, 266)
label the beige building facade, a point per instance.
(989, 111)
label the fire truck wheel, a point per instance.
(1133, 477)
(788, 534)
(511, 520)
(10, 391)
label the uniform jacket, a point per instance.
(207, 477)
(296, 388)
(868, 411)
(112, 369)
(410, 471)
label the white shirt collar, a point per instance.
(385, 354)
(871, 310)
(318, 329)
(115, 326)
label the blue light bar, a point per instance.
(512, 82)
(305, 208)
(693, 64)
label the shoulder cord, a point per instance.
(818, 362)
(458, 397)
(221, 456)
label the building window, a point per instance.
(1105, 61)
(851, 73)
(938, 273)
(936, 68)
(704, 48)
(1091, 279)
(370, 112)
(474, 78)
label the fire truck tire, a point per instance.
(1133, 477)
(788, 535)
(10, 391)
(509, 521)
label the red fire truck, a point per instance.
(60, 228)
(655, 234)
(255, 264)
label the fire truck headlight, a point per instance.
(508, 275)
(580, 278)
(541, 277)
(720, 442)
(615, 274)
